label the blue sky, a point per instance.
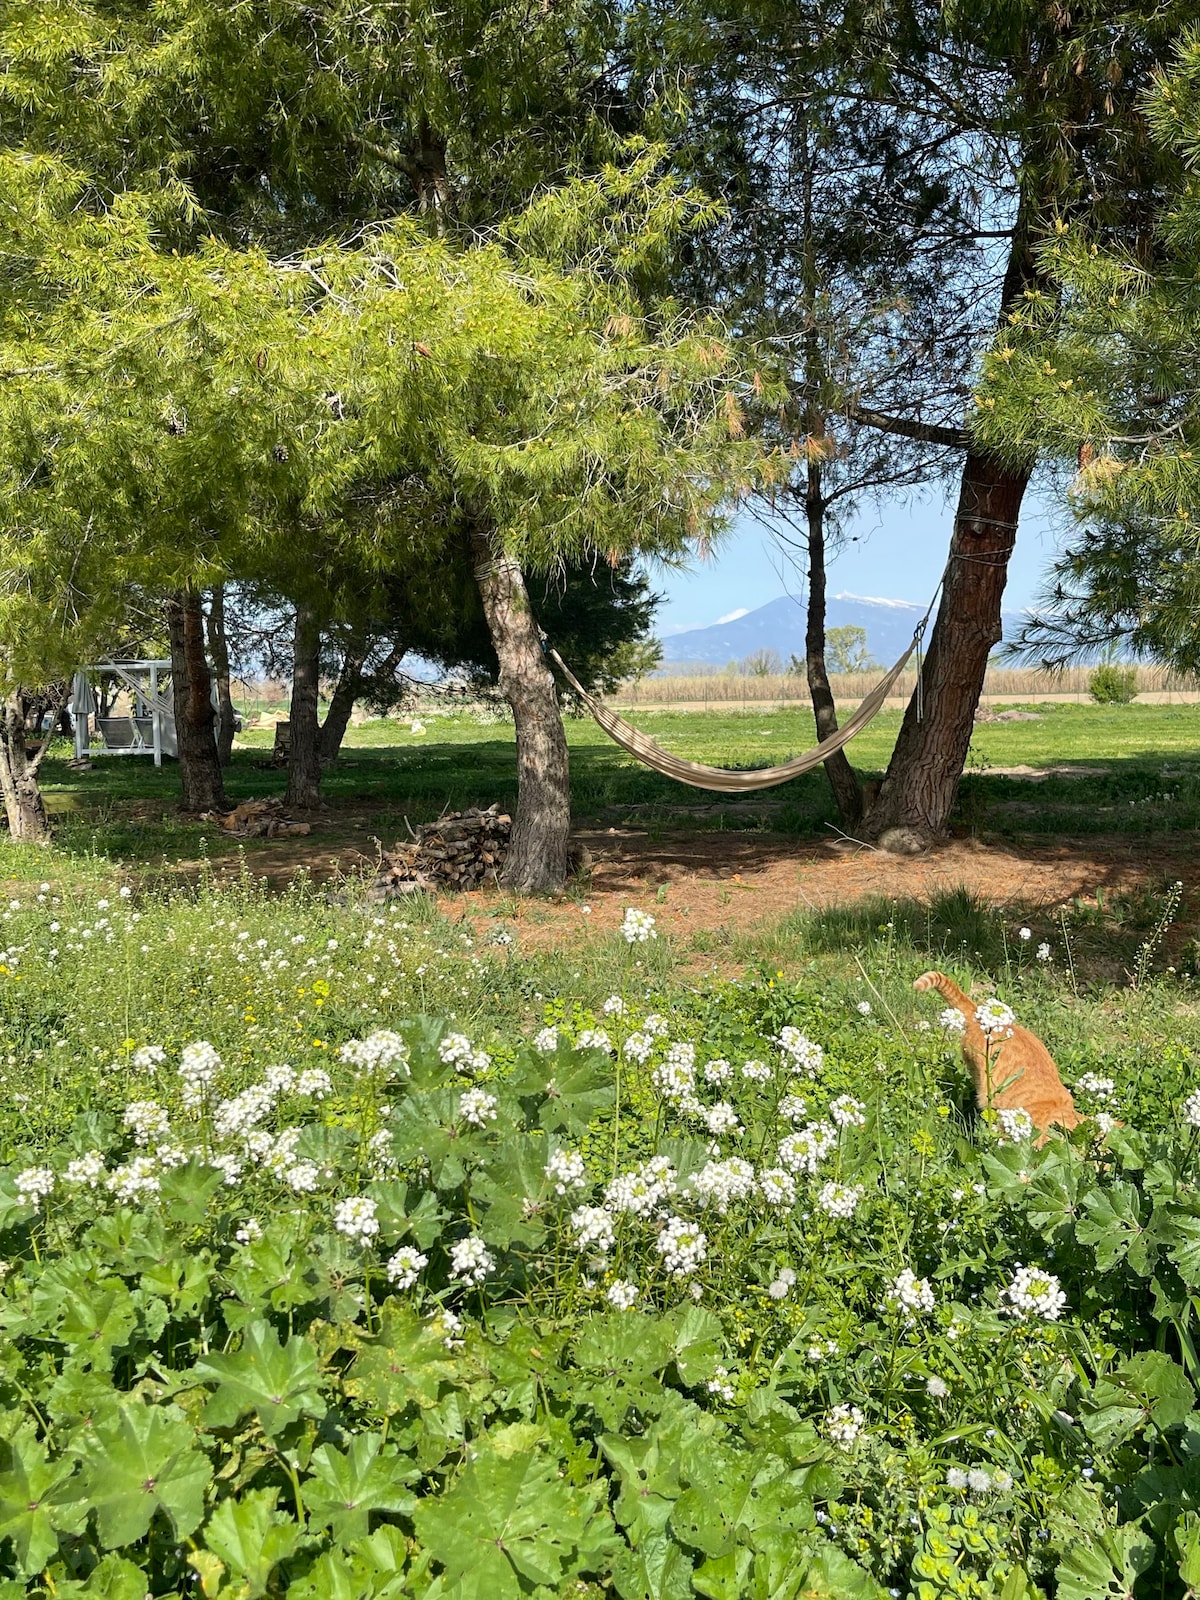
(897, 553)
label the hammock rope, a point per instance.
(723, 780)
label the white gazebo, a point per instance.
(149, 726)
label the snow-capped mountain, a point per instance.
(779, 625)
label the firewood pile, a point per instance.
(261, 819)
(462, 850)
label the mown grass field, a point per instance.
(366, 1252)
(124, 809)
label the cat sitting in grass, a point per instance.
(1012, 1069)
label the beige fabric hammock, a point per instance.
(722, 779)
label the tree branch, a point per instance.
(926, 432)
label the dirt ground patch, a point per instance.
(708, 881)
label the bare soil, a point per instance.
(708, 881)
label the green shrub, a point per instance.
(1111, 685)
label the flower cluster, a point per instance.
(637, 926)
(457, 1051)
(840, 1200)
(843, 1424)
(199, 1064)
(804, 1150)
(995, 1018)
(1034, 1293)
(847, 1112)
(682, 1246)
(356, 1218)
(802, 1054)
(1015, 1126)
(566, 1170)
(643, 1190)
(909, 1294)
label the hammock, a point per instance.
(722, 779)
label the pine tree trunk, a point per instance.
(304, 756)
(847, 792)
(537, 855)
(922, 780)
(345, 692)
(23, 803)
(218, 646)
(195, 719)
(921, 785)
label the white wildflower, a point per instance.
(718, 1071)
(936, 1388)
(33, 1185)
(638, 1047)
(236, 1117)
(280, 1079)
(148, 1057)
(314, 1083)
(448, 1326)
(657, 1027)
(1024, 934)
(778, 1188)
(803, 1054)
(793, 1107)
(250, 1232)
(356, 1218)
(148, 1121)
(566, 1170)
(302, 1178)
(86, 1171)
(644, 1189)
(404, 1268)
(1191, 1109)
(593, 1229)
(1034, 1293)
(1092, 1083)
(781, 1284)
(863, 1008)
(545, 1042)
(675, 1077)
(171, 1155)
(638, 926)
(994, 1017)
(199, 1064)
(621, 1294)
(478, 1107)
(721, 1119)
(594, 1039)
(614, 1006)
(1105, 1123)
(840, 1200)
(682, 1246)
(720, 1183)
(847, 1112)
(843, 1424)
(979, 1481)
(952, 1021)
(720, 1385)
(1015, 1126)
(804, 1150)
(910, 1294)
(229, 1165)
(1043, 952)
(756, 1071)
(956, 1478)
(471, 1260)
(133, 1181)
(380, 1055)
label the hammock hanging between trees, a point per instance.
(722, 779)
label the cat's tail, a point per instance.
(946, 986)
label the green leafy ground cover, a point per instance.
(494, 1304)
(124, 810)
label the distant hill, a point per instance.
(779, 625)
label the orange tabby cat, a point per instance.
(1022, 1070)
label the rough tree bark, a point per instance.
(537, 856)
(921, 785)
(24, 805)
(847, 792)
(347, 690)
(218, 649)
(304, 756)
(195, 719)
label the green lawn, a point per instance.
(124, 809)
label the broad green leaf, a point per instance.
(577, 1091)
(512, 1522)
(1114, 1227)
(113, 1578)
(1147, 1388)
(407, 1362)
(655, 1569)
(136, 1462)
(278, 1382)
(187, 1192)
(347, 1485)
(697, 1343)
(37, 1500)
(374, 1569)
(1107, 1567)
(1186, 1540)
(252, 1538)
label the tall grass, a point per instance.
(727, 688)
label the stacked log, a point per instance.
(462, 850)
(261, 819)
